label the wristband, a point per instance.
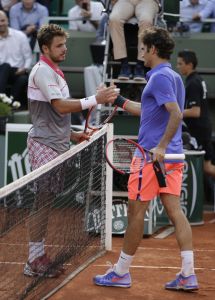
(125, 103)
(120, 101)
(88, 102)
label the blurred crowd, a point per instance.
(20, 21)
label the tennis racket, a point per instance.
(95, 119)
(129, 158)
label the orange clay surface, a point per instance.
(156, 262)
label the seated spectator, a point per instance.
(208, 12)
(28, 16)
(193, 11)
(15, 61)
(90, 11)
(46, 3)
(196, 114)
(145, 12)
(5, 5)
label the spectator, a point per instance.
(145, 12)
(208, 12)
(46, 3)
(193, 11)
(28, 16)
(5, 5)
(15, 61)
(90, 11)
(196, 113)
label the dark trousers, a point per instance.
(13, 85)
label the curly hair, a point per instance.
(159, 38)
(48, 32)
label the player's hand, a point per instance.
(106, 94)
(80, 136)
(158, 153)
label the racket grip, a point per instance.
(160, 173)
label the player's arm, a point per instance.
(131, 106)
(193, 112)
(104, 95)
(175, 118)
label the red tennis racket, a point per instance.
(96, 119)
(129, 158)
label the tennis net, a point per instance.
(69, 203)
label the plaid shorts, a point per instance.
(39, 154)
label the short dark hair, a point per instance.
(188, 56)
(48, 32)
(159, 38)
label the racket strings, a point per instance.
(123, 157)
(101, 117)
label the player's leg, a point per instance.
(118, 275)
(38, 263)
(141, 187)
(186, 279)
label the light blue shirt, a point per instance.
(209, 12)
(204, 9)
(19, 17)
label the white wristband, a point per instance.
(88, 102)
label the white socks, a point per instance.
(35, 250)
(123, 264)
(187, 267)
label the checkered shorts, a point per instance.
(39, 154)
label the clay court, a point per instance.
(156, 262)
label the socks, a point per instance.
(35, 250)
(123, 264)
(187, 263)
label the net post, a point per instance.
(109, 189)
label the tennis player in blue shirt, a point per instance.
(160, 114)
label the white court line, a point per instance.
(105, 265)
(212, 221)
(172, 249)
(115, 248)
(166, 232)
(157, 267)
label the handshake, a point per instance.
(107, 94)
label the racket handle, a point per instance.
(175, 156)
(160, 173)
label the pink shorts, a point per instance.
(143, 185)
